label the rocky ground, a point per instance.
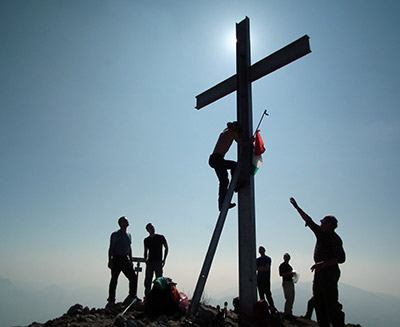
(79, 316)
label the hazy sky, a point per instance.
(98, 121)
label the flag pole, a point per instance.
(259, 123)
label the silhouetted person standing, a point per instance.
(286, 272)
(264, 277)
(220, 165)
(120, 259)
(153, 254)
(328, 254)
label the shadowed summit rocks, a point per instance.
(80, 316)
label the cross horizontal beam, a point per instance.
(278, 59)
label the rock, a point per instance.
(75, 309)
(120, 321)
(134, 323)
(206, 314)
(163, 320)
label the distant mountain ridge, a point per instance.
(20, 307)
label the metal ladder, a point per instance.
(201, 282)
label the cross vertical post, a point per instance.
(246, 208)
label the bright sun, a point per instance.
(230, 41)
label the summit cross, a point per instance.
(241, 83)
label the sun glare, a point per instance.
(230, 41)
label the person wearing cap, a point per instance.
(220, 164)
(120, 259)
(328, 254)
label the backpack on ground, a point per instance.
(163, 298)
(261, 313)
(265, 316)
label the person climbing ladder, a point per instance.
(220, 165)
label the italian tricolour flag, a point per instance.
(258, 150)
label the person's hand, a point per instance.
(110, 264)
(318, 266)
(293, 202)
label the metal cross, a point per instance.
(241, 83)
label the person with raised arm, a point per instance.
(328, 254)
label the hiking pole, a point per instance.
(259, 123)
(128, 307)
